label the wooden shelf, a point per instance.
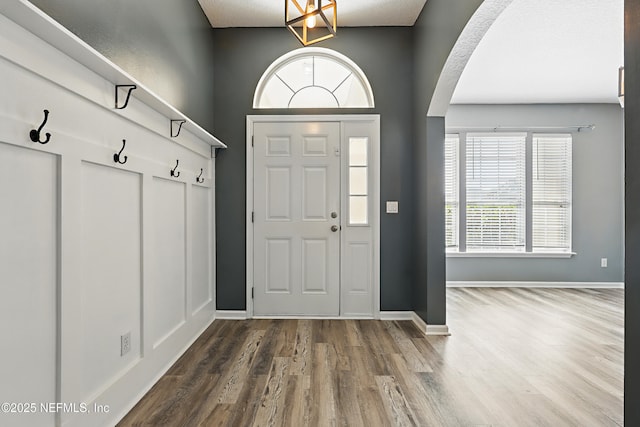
(33, 19)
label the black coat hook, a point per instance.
(173, 171)
(116, 156)
(198, 179)
(126, 101)
(35, 134)
(179, 123)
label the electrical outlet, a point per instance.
(125, 343)
(603, 262)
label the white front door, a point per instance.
(296, 218)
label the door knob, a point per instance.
(334, 228)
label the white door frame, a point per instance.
(375, 169)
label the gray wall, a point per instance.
(164, 44)
(632, 213)
(598, 194)
(435, 33)
(167, 46)
(385, 56)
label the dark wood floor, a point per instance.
(516, 357)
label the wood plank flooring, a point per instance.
(516, 357)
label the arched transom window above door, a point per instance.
(313, 77)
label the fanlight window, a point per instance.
(313, 78)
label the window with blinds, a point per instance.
(551, 193)
(495, 192)
(514, 191)
(451, 199)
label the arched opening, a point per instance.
(469, 39)
(430, 133)
(313, 78)
(542, 120)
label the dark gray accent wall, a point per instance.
(435, 33)
(598, 193)
(385, 55)
(164, 44)
(632, 213)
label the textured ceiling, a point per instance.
(537, 51)
(351, 13)
(547, 51)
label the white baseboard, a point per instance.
(437, 330)
(384, 315)
(396, 315)
(417, 320)
(568, 285)
(305, 317)
(429, 329)
(231, 314)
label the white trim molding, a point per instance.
(515, 284)
(429, 329)
(306, 52)
(344, 119)
(510, 254)
(37, 22)
(231, 314)
(305, 317)
(437, 330)
(417, 320)
(396, 315)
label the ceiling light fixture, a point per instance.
(621, 86)
(313, 22)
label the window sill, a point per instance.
(510, 254)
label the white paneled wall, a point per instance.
(110, 230)
(201, 247)
(167, 249)
(28, 279)
(93, 250)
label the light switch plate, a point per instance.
(392, 206)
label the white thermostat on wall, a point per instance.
(392, 206)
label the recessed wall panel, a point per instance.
(28, 280)
(278, 265)
(111, 271)
(167, 286)
(314, 265)
(358, 268)
(200, 246)
(278, 194)
(314, 196)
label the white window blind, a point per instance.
(551, 191)
(495, 175)
(451, 196)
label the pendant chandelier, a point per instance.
(311, 22)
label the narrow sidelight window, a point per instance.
(358, 181)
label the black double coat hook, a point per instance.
(117, 156)
(173, 171)
(35, 133)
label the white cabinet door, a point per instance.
(297, 219)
